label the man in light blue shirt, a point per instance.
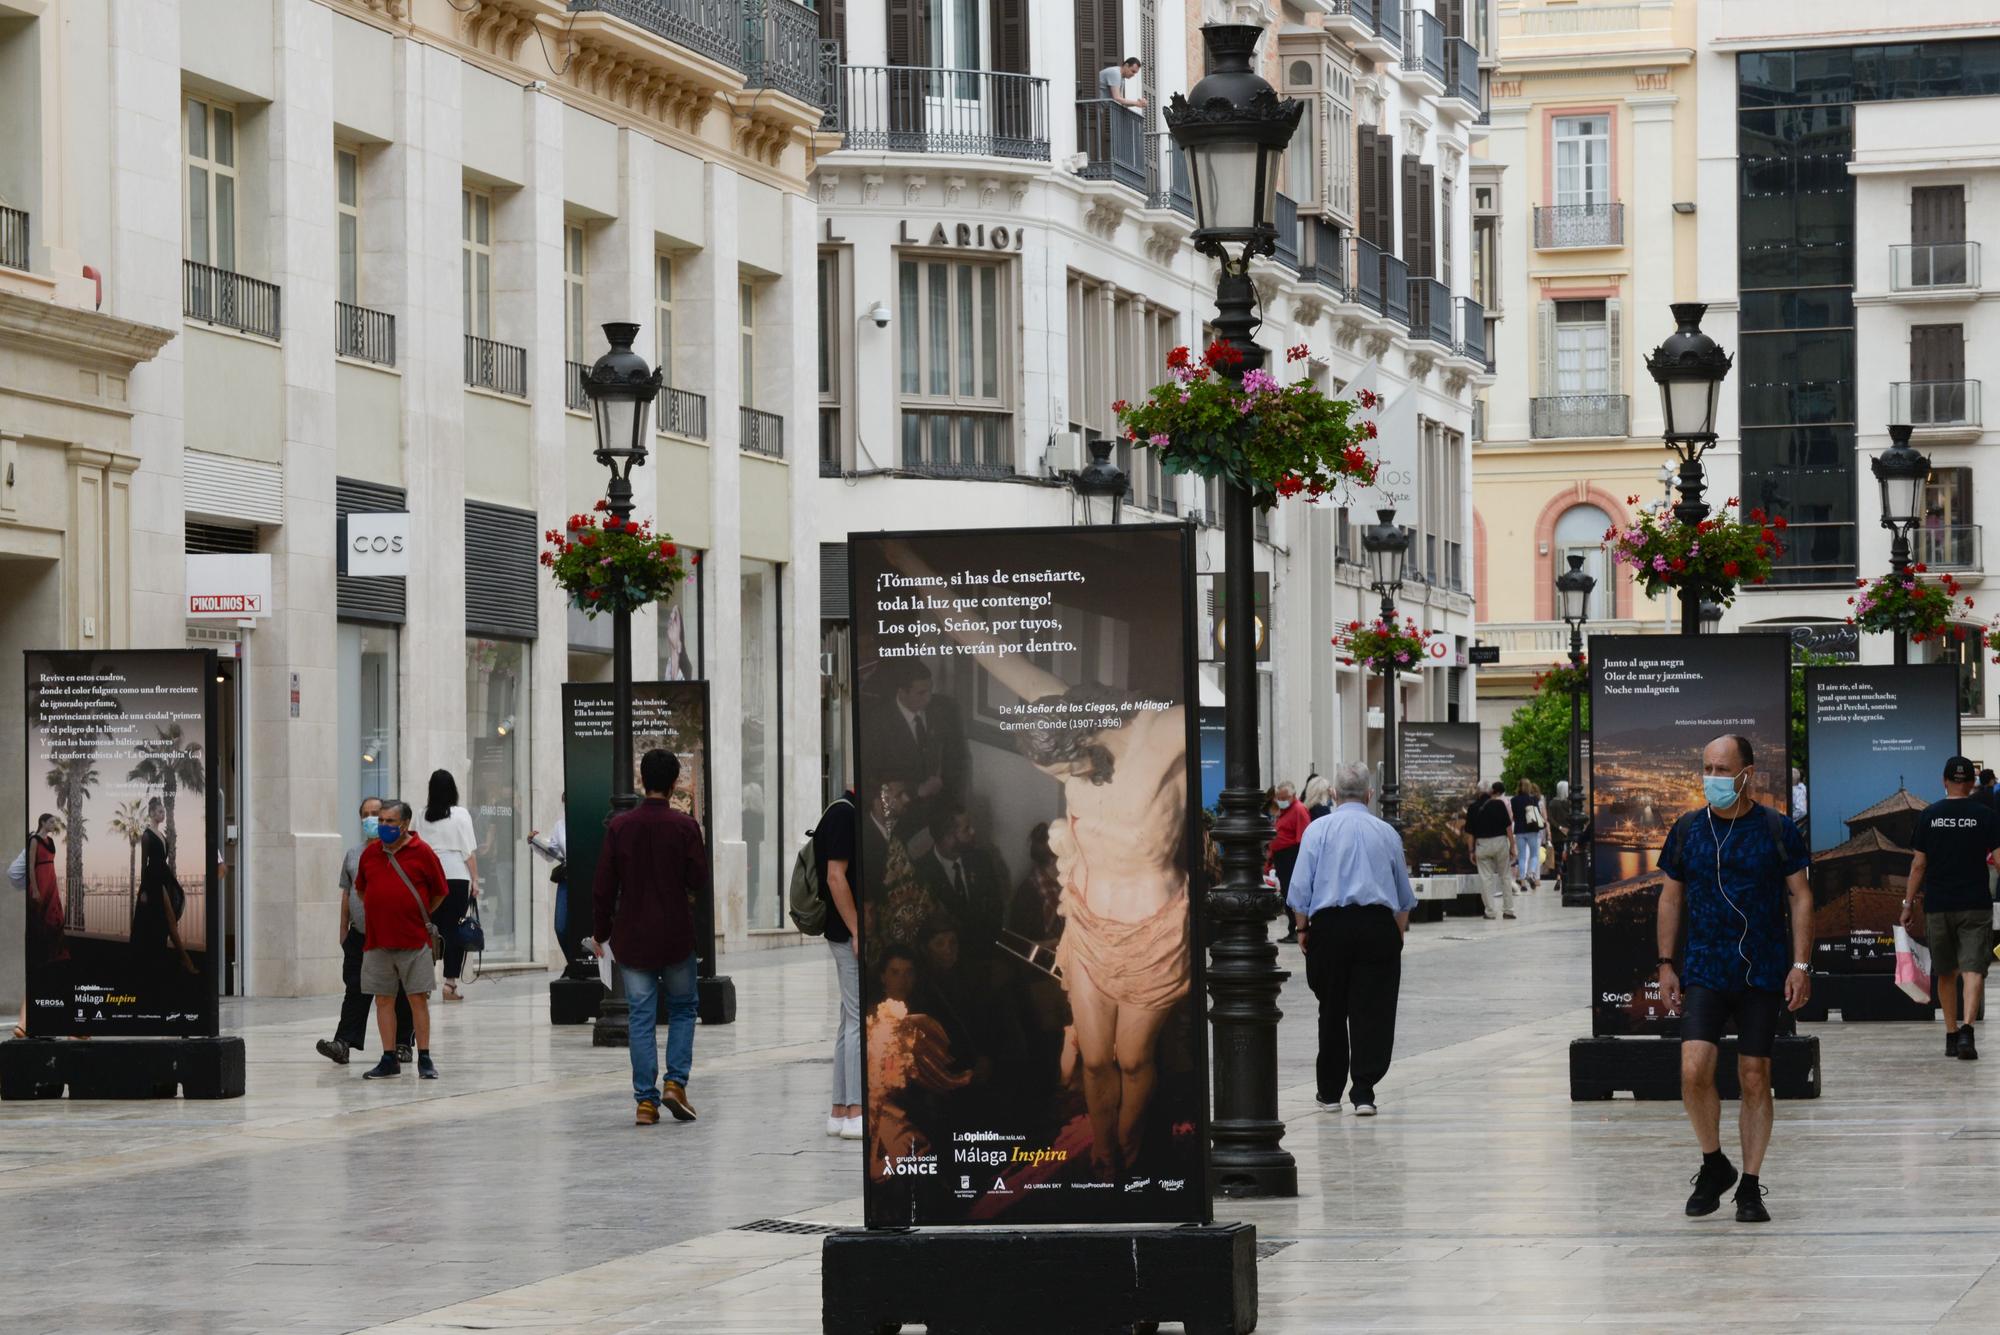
(1351, 893)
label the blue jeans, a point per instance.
(642, 989)
(1529, 846)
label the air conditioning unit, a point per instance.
(1065, 453)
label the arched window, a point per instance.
(1580, 530)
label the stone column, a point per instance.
(1651, 219)
(793, 305)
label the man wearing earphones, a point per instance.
(1734, 863)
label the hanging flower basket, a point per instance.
(608, 565)
(1561, 678)
(1909, 604)
(1376, 644)
(1270, 438)
(1711, 559)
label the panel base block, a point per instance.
(574, 1000)
(122, 1068)
(1054, 1281)
(718, 1000)
(1650, 1068)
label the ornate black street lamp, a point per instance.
(1101, 477)
(1234, 130)
(621, 388)
(1573, 589)
(1387, 545)
(1689, 368)
(1901, 473)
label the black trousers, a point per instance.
(357, 1007)
(457, 900)
(1354, 965)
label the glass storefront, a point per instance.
(763, 740)
(497, 791)
(367, 722)
(681, 656)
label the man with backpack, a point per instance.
(1737, 866)
(1489, 829)
(836, 907)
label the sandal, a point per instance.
(20, 1031)
(451, 993)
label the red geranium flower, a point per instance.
(1731, 569)
(602, 505)
(1178, 357)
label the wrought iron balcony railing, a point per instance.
(220, 297)
(681, 412)
(1947, 547)
(1472, 332)
(781, 48)
(1560, 226)
(1389, 22)
(1167, 179)
(713, 28)
(1287, 220)
(762, 433)
(1367, 282)
(1461, 71)
(1112, 139)
(500, 367)
(575, 396)
(1423, 44)
(365, 335)
(1396, 289)
(1922, 403)
(1430, 311)
(1326, 255)
(1361, 11)
(14, 238)
(1578, 415)
(1921, 268)
(928, 109)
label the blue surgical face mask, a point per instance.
(388, 833)
(1720, 789)
(369, 824)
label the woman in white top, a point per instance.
(447, 828)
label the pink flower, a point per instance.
(1259, 381)
(1157, 439)
(1660, 564)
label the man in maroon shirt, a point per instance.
(401, 883)
(653, 864)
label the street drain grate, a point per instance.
(784, 1226)
(1267, 1250)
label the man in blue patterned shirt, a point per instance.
(1735, 864)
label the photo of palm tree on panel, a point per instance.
(118, 754)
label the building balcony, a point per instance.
(1385, 40)
(500, 367)
(1168, 186)
(13, 238)
(762, 433)
(219, 297)
(1423, 49)
(1539, 643)
(1325, 256)
(1461, 100)
(925, 109)
(1939, 407)
(1579, 416)
(575, 397)
(1430, 312)
(781, 49)
(1287, 220)
(1948, 547)
(681, 412)
(1396, 290)
(1352, 21)
(1579, 226)
(1367, 281)
(1112, 140)
(364, 335)
(712, 28)
(1472, 345)
(1938, 267)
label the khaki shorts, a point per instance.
(1961, 941)
(383, 971)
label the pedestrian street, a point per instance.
(515, 1193)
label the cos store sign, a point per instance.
(378, 544)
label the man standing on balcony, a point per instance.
(1111, 82)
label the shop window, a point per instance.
(763, 740)
(680, 619)
(498, 790)
(367, 718)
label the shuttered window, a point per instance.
(1424, 262)
(908, 43)
(1937, 352)
(500, 550)
(834, 596)
(1413, 204)
(1100, 41)
(1937, 215)
(833, 21)
(379, 598)
(1010, 36)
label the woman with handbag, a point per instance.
(447, 828)
(1530, 819)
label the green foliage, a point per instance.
(612, 564)
(1801, 660)
(1535, 745)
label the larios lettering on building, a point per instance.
(954, 236)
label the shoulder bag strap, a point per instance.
(408, 884)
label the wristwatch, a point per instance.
(1801, 964)
(1667, 960)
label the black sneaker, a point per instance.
(383, 1069)
(333, 1050)
(1709, 1184)
(426, 1069)
(1951, 1044)
(405, 1053)
(1750, 1205)
(1966, 1051)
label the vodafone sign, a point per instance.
(228, 588)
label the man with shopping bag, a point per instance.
(1948, 887)
(1738, 866)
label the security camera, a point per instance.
(879, 313)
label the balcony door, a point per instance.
(1937, 366)
(1583, 349)
(1937, 233)
(1583, 162)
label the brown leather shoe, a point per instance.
(649, 1113)
(677, 1103)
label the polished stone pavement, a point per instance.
(515, 1195)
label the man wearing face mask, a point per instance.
(1738, 866)
(352, 1031)
(402, 883)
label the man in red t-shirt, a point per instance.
(401, 883)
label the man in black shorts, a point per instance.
(1734, 863)
(1948, 884)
